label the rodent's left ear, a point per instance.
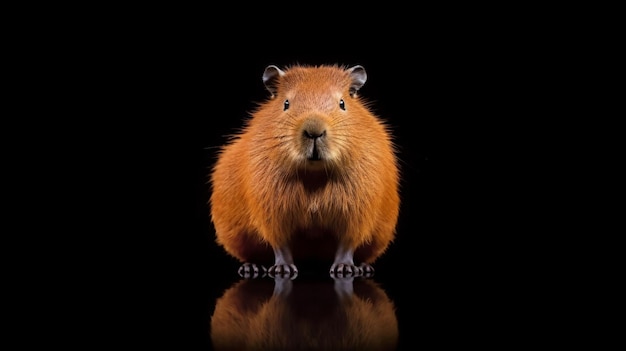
(358, 76)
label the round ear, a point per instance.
(270, 78)
(358, 76)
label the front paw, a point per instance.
(345, 270)
(252, 271)
(283, 271)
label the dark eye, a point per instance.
(342, 105)
(286, 105)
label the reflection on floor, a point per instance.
(300, 314)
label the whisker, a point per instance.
(274, 146)
(291, 116)
(341, 123)
(290, 125)
(345, 137)
(275, 137)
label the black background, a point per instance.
(157, 95)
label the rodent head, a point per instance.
(314, 114)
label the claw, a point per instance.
(251, 271)
(283, 271)
(345, 270)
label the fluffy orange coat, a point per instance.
(313, 171)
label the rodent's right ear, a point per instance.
(270, 78)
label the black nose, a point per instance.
(314, 134)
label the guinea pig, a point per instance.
(312, 175)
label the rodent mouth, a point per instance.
(314, 150)
(315, 154)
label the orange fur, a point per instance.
(266, 194)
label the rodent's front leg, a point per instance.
(344, 266)
(283, 263)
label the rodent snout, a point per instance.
(314, 134)
(314, 143)
(313, 128)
